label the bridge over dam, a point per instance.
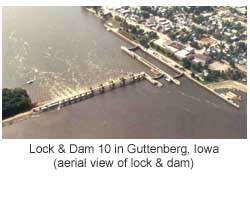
(96, 90)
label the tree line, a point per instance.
(15, 101)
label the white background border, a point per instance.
(219, 184)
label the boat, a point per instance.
(30, 81)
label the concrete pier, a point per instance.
(153, 81)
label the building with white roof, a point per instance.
(182, 54)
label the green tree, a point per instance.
(199, 19)
(118, 19)
(152, 35)
(194, 44)
(173, 35)
(145, 14)
(134, 30)
(125, 25)
(97, 9)
(199, 67)
(144, 42)
(15, 101)
(186, 63)
(232, 63)
(146, 8)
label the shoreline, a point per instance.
(187, 73)
(228, 85)
(22, 115)
(93, 91)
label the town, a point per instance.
(211, 42)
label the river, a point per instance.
(66, 49)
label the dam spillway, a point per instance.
(96, 90)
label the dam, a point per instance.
(113, 84)
(93, 91)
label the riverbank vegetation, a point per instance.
(15, 101)
(209, 75)
(136, 33)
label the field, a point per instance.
(207, 40)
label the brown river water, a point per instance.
(66, 49)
